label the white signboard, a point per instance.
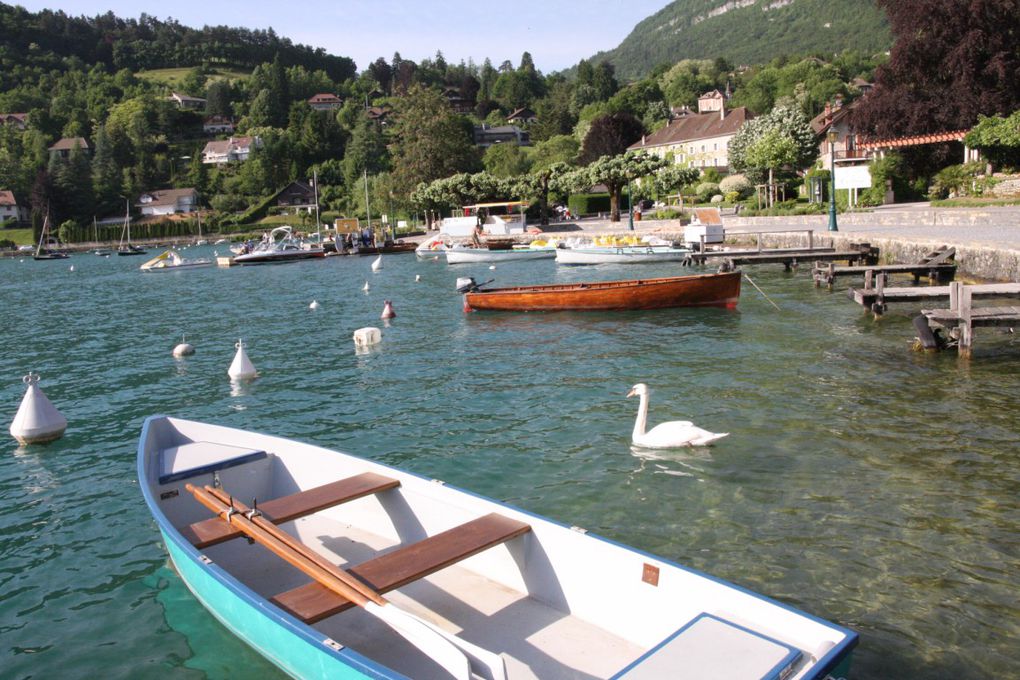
(853, 177)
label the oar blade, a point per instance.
(425, 638)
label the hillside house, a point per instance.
(18, 121)
(9, 208)
(186, 103)
(378, 114)
(65, 145)
(217, 125)
(487, 135)
(697, 140)
(234, 149)
(167, 202)
(325, 102)
(522, 116)
(298, 194)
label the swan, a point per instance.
(377, 265)
(667, 435)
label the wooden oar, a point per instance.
(449, 651)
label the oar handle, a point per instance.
(285, 538)
(326, 577)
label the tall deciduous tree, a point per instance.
(787, 120)
(610, 135)
(431, 140)
(951, 61)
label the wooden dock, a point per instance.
(938, 266)
(877, 297)
(962, 318)
(791, 257)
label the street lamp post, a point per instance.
(630, 205)
(832, 136)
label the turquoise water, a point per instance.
(861, 482)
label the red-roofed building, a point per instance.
(16, 120)
(230, 150)
(9, 208)
(697, 140)
(325, 102)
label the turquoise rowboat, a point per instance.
(359, 570)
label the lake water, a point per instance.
(861, 482)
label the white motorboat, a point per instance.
(171, 260)
(465, 254)
(431, 247)
(395, 575)
(280, 245)
(628, 254)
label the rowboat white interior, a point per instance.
(553, 601)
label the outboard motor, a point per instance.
(466, 284)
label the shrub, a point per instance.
(586, 204)
(7, 244)
(738, 184)
(732, 196)
(706, 190)
(717, 198)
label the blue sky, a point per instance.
(558, 33)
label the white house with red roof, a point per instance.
(9, 208)
(167, 201)
(325, 102)
(234, 149)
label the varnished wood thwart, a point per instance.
(314, 602)
(286, 508)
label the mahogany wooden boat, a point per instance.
(699, 290)
(391, 248)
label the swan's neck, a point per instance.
(642, 417)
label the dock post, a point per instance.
(759, 243)
(811, 239)
(954, 296)
(878, 306)
(966, 328)
(832, 274)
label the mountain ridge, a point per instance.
(748, 32)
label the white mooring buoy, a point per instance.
(365, 287)
(72, 267)
(314, 305)
(492, 266)
(387, 310)
(377, 265)
(184, 348)
(38, 420)
(370, 335)
(241, 368)
(417, 278)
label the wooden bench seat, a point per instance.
(286, 508)
(313, 602)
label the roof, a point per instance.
(68, 143)
(914, 140)
(23, 117)
(218, 120)
(7, 197)
(324, 99)
(523, 112)
(826, 119)
(165, 196)
(504, 204)
(695, 126)
(225, 145)
(185, 97)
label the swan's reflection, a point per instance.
(685, 462)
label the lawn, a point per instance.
(22, 237)
(173, 76)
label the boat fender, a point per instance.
(387, 312)
(38, 421)
(822, 649)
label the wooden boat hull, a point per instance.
(375, 250)
(698, 290)
(615, 611)
(472, 255)
(621, 255)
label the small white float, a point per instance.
(377, 265)
(365, 287)
(38, 421)
(184, 348)
(314, 305)
(241, 368)
(370, 335)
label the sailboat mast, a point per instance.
(318, 226)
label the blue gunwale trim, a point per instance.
(825, 664)
(345, 656)
(793, 654)
(210, 467)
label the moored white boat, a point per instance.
(630, 254)
(431, 247)
(280, 245)
(522, 595)
(171, 260)
(464, 255)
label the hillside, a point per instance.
(748, 32)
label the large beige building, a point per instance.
(698, 140)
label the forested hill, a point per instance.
(749, 32)
(43, 40)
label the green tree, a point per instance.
(366, 152)
(615, 172)
(106, 175)
(772, 150)
(505, 160)
(788, 120)
(998, 138)
(609, 135)
(430, 140)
